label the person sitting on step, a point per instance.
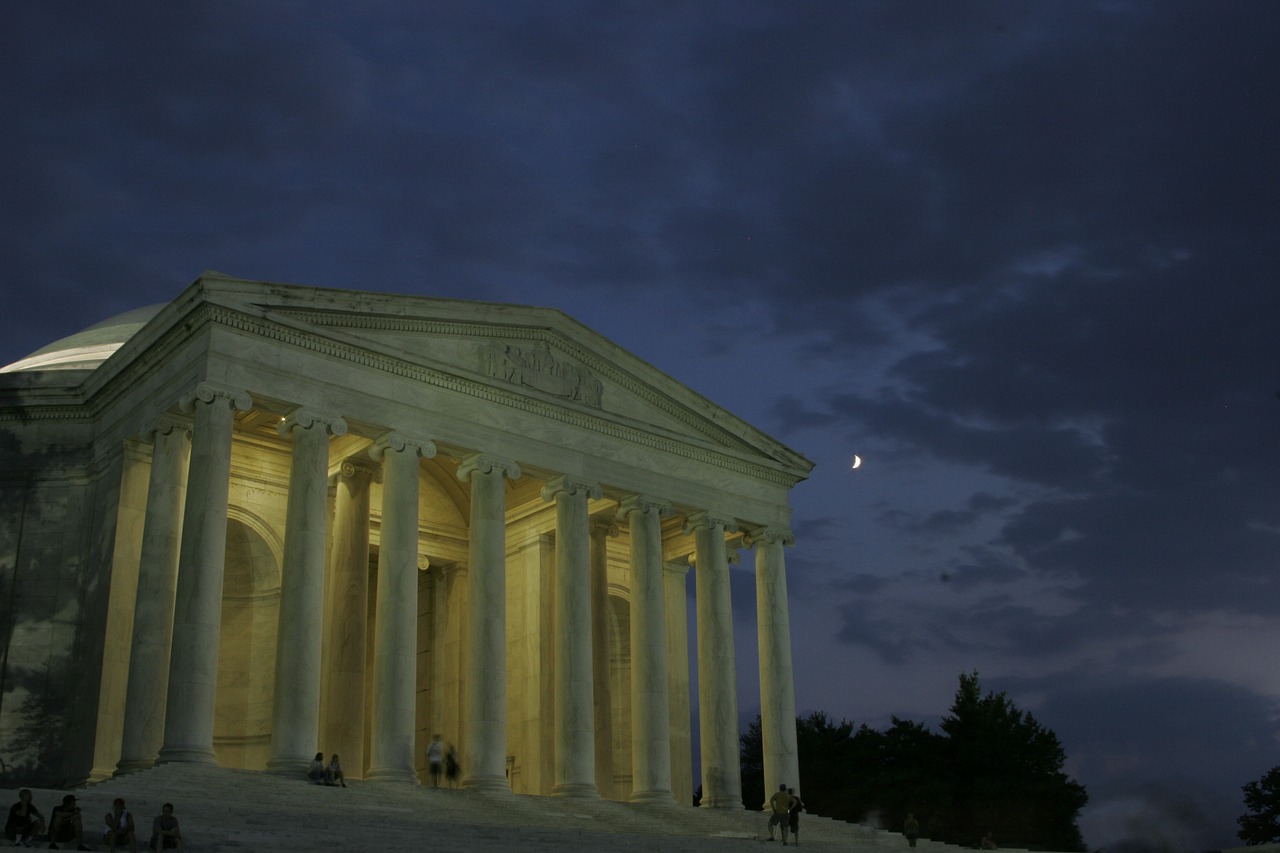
(119, 828)
(165, 832)
(64, 824)
(25, 821)
(315, 771)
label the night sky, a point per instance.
(1021, 257)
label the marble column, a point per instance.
(574, 718)
(197, 614)
(675, 575)
(144, 707)
(395, 647)
(777, 689)
(485, 701)
(650, 707)
(347, 627)
(717, 692)
(295, 715)
(600, 531)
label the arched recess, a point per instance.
(620, 691)
(247, 647)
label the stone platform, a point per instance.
(237, 810)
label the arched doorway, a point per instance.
(246, 650)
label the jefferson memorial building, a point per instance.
(265, 520)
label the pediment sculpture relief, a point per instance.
(534, 366)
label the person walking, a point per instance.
(435, 759)
(911, 829)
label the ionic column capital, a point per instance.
(731, 558)
(487, 464)
(400, 442)
(208, 392)
(707, 519)
(442, 569)
(359, 466)
(167, 424)
(603, 526)
(644, 504)
(301, 418)
(570, 486)
(678, 568)
(769, 536)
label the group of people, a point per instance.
(326, 774)
(65, 826)
(785, 807)
(442, 758)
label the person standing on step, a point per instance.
(435, 759)
(793, 816)
(780, 805)
(119, 828)
(452, 769)
(165, 832)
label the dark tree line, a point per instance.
(1262, 824)
(993, 769)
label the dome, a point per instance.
(87, 349)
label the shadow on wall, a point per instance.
(33, 743)
(38, 621)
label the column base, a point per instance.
(487, 784)
(133, 765)
(288, 766)
(653, 798)
(392, 774)
(187, 755)
(581, 790)
(721, 803)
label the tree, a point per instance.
(838, 777)
(912, 774)
(1005, 775)
(1262, 798)
(994, 768)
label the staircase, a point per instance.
(243, 811)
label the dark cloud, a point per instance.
(1020, 257)
(1174, 751)
(943, 521)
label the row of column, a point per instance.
(178, 610)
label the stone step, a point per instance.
(237, 810)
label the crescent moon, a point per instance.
(857, 460)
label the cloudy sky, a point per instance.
(1021, 257)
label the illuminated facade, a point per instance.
(265, 520)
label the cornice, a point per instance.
(87, 401)
(92, 400)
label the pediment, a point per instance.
(537, 361)
(509, 353)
